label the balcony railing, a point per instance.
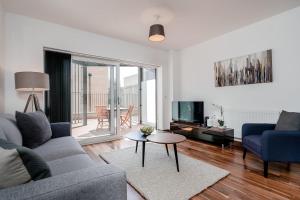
(97, 99)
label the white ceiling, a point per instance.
(186, 21)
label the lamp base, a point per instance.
(34, 98)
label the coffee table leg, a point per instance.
(143, 156)
(136, 146)
(167, 149)
(176, 156)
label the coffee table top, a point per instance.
(136, 136)
(166, 138)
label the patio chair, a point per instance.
(126, 118)
(102, 114)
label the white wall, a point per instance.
(1, 57)
(26, 37)
(194, 76)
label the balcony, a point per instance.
(90, 123)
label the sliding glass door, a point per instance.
(110, 99)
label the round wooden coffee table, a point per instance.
(138, 137)
(168, 138)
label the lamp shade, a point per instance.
(31, 81)
(156, 33)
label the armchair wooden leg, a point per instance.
(288, 167)
(244, 153)
(266, 169)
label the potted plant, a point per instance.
(221, 123)
(147, 130)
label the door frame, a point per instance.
(140, 65)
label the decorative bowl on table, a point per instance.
(147, 130)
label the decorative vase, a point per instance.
(210, 122)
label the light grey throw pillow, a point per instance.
(20, 165)
(13, 171)
(288, 121)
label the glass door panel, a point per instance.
(93, 99)
(148, 96)
(128, 98)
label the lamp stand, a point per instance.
(32, 97)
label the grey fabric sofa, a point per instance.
(74, 174)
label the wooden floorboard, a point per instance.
(245, 181)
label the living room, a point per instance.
(149, 99)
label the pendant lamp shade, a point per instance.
(156, 33)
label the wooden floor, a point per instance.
(245, 180)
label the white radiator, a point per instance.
(235, 119)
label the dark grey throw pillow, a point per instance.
(288, 121)
(19, 165)
(34, 127)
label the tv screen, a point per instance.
(188, 111)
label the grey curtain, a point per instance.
(58, 98)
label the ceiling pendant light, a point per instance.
(156, 32)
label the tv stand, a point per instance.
(214, 135)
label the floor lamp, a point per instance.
(32, 82)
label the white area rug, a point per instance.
(159, 179)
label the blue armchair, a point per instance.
(271, 145)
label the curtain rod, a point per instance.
(138, 64)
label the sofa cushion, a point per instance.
(2, 135)
(59, 148)
(253, 142)
(70, 163)
(288, 121)
(35, 128)
(9, 128)
(19, 165)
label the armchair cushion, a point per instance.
(253, 143)
(288, 121)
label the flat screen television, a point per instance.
(188, 111)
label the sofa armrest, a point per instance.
(256, 128)
(61, 129)
(281, 146)
(98, 182)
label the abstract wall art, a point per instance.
(249, 69)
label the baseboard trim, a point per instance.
(101, 139)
